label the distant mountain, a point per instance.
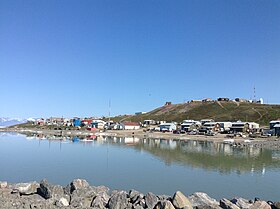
(5, 121)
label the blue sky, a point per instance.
(71, 57)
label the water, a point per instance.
(159, 166)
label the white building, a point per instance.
(168, 127)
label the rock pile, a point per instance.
(79, 194)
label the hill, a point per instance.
(219, 111)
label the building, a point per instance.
(77, 122)
(149, 122)
(189, 125)
(241, 100)
(167, 127)
(140, 113)
(273, 123)
(99, 124)
(211, 126)
(207, 100)
(129, 125)
(222, 99)
(206, 120)
(277, 129)
(244, 127)
(225, 126)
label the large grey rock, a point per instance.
(277, 205)
(179, 200)
(62, 202)
(48, 190)
(78, 184)
(151, 200)
(3, 184)
(242, 203)
(26, 188)
(136, 198)
(207, 207)
(226, 204)
(118, 200)
(83, 197)
(200, 198)
(101, 200)
(138, 207)
(166, 204)
(260, 205)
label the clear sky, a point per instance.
(69, 58)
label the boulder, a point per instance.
(200, 198)
(83, 197)
(241, 203)
(48, 190)
(226, 204)
(25, 188)
(179, 200)
(3, 184)
(138, 207)
(277, 205)
(62, 202)
(78, 184)
(136, 198)
(207, 207)
(100, 201)
(151, 200)
(260, 205)
(118, 200)
(165, 204)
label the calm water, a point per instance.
(159, 166)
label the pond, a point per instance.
(148, 165)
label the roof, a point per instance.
(275, 121)
(130, 124)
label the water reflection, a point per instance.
(220, 157)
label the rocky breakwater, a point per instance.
(79, 194)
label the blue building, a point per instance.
(76, 122)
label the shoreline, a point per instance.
(79, 194)
(270, 142)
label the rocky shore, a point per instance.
(79, 194)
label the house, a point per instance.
(130, 125)
(86, 122)
(76, 122)
(275, 126)
(277, 129)
(206, 120)
(207, 100)
(211, 126)
(188, 125)
(225, 126)
(149, 122)
(273, 123)
(40, 121)
(241, 100)
(168, 127)
(244, 126)
(140, 113)
(100, 124)
(221, 99)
